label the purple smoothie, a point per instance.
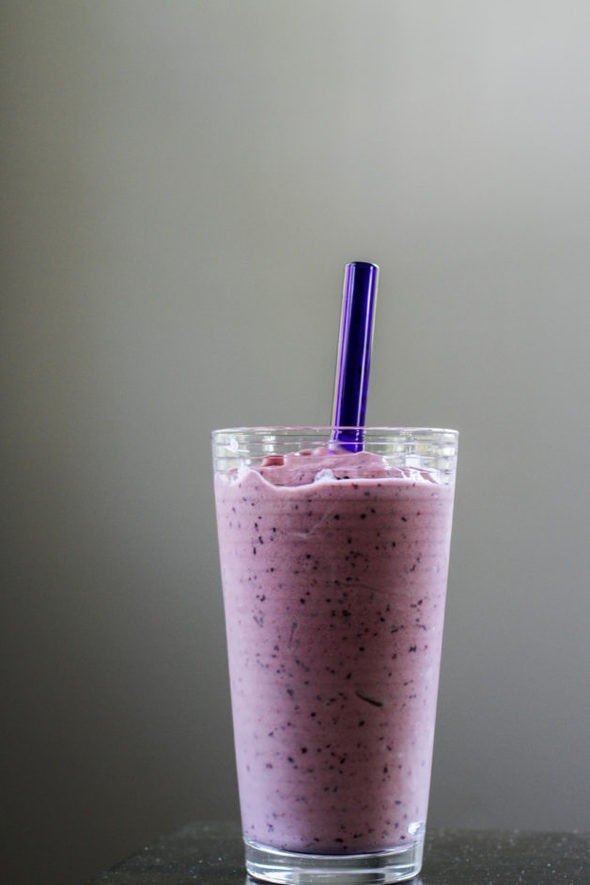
(334, 570)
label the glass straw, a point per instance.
(354, 356)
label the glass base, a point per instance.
(294, 868)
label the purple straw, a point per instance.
(354, 357)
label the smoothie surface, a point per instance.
(322, 464)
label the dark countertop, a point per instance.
(212, 854)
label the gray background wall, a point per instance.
(184, 182)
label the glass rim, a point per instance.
(421, 447)
(327, 428)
